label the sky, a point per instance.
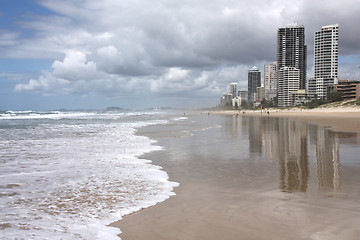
(92, 54)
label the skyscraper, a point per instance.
(326, 52)
(325, 60)
(291, 50)
(270, 80)
(254, 81)
(232, 89)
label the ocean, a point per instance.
(67, 174)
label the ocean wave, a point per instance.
(70, 180)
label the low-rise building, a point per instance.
(243, 94)
(349, 89)
(300, 97)
(226, 100)
(260, 93)
(319, 86)
(236, 103)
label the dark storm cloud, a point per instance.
(315, 14)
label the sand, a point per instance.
(225, 193)
(341, 119)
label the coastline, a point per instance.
(339, 119)
(230, 200)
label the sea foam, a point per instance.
(69, 179)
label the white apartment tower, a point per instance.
(289, 82)
(325, 60)
(232, 89)
(270, 80)
(326, 52)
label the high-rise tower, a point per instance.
(270, 80)
(232, 89)
(254, 81)
(326, 51)
(291, 50)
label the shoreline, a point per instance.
(339, 119)
(212, 202)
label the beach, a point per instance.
(286, 175)
(341, 119)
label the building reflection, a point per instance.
(255, 134)
(327, 155)
(293, 155)
(271, 139)
(287, 142)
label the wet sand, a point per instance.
(254, 178)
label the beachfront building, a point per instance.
(270, 80)
(254, 81)
(291, 50)
(349, 89)
(300, 97)
(289, 82)
(325, 60)
(260, 93)
(326, 53)
(226, 100)
(236, 102)
(232, 89)
(243, 94)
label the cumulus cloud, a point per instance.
(46, 84)
(183, 48)
(75, 67)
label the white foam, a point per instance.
(12, 115)
(179, 119)
(68, 181)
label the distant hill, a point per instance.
(117, 109)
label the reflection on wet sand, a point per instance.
(256, 178)
(287, 143)
(327, 155)
(293, 157)
(255, 135)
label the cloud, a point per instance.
(126, 62)
(75, 67)
(178, 48)
(46, 84)
(345, 13)
(7, 38)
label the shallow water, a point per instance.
(66, 175)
